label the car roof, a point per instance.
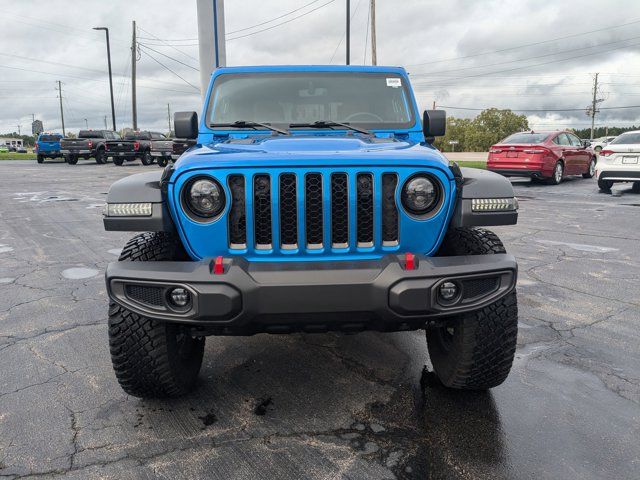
(311, 68)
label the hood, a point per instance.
(321, 150)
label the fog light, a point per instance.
(448, 291)
(180, 297)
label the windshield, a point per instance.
(367, 100)
(626, 138)
(526, 138)
(137, 136)
(50, 138)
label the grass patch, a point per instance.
(473, 164)
(17, 156)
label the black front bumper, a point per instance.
(311, 296)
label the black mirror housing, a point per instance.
(434, 123)
(185, 125)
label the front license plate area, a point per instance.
(629, 159)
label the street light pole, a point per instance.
(113, 108)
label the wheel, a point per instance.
(475, 350)
(118, 161)
(592, 169)
(40, 159)
(152, 358)
(558, 172)
(636, 187)
(146, 158)
(605, 185)
(598, 149)
(72, 159)
(162, 162)
(100, 156)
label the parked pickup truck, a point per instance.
(134, 145)
(48, 146)
(313, 201)
(89, 144)
(181, 145)
(161, 151)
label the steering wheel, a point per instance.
(364, 114)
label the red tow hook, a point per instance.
(217, 267)
(410, 261)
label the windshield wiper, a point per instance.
(330, 124)
(251, 124)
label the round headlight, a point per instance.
(419, 195)
(204, 197)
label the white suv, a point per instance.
(597, 144)
(618, 162)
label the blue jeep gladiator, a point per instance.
(48, 146)
(312, 201)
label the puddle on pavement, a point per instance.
(79, 273)
(5, 248)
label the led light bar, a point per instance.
(494, 204)
(128, 210)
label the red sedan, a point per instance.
(549, 156)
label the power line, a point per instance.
(167, 56)
(282, 23)
(273, 19)
(530, 58)
(525, 45)
(177, 75)
(174, 48)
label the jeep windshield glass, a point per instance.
(526, 138)
(365, 100)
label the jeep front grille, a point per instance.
(312, 211)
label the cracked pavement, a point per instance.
(319, 406)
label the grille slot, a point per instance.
(364, 211)
(152, 296)
(288, 211)
(237, 213)
(313, 210)
(478, 286)
(389, 210)
(339, 210)
(262, 208)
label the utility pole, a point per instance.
(113, 109)
(134, 53)
(374, 54)
(19, 132)
(61, 109)
(348, 44)
(33, 117)
(434, 105)
(105, 122)
(169, 117)
(594, 103)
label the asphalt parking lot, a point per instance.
(319, 406)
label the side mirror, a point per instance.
(586, 143)
(434, 123)
(185, 124)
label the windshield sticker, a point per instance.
(394, 82)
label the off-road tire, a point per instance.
(100, 156)
(146, 158)
(151, 358)
(591, 168)
(475, 350)
(554, 180)
(72, 159)
(636, 187)
(40, 159)
(118, 161)
(605, 185)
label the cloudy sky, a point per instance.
(537, 57)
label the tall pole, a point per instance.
(61, 109)
(86, 123)
(105, 122)
(169, 117)
(211, 41)
(374, 54)
(113, 108)
(348, 45)
(134, 52)
(594, 104)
